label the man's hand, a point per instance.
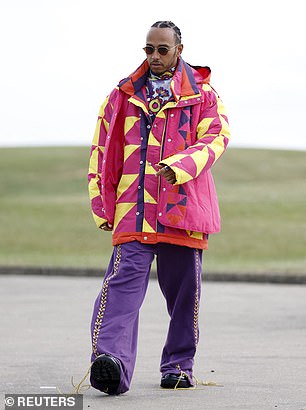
(166, 172)
(106, 227)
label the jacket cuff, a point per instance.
(99, 221)
(180, 175)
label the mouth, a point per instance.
(155, 64)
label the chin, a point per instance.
(157, 70)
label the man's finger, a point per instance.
(107, 227)
(162, 170)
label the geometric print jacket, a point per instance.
(189, 134)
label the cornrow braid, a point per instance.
(169, 24)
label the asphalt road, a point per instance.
(252, 342)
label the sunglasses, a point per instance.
(162, 50)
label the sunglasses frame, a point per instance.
(158, 48)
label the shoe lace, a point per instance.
(206, 383)
(80, 387)
(197, 382)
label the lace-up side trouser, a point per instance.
(116, 310)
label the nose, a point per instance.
(155, 55)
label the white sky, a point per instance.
(60, 58)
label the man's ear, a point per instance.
(179, 49)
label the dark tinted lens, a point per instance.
(162, 51)
(149, 49)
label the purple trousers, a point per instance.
(114, 324)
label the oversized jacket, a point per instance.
(189, 134)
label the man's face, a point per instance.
(164, 37)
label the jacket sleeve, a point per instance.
(212, 139)
(95, 163)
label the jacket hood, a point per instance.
(185, 79)
(203, 73)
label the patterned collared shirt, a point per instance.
(158, 91)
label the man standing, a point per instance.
(157, 136)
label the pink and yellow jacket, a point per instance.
(189, 134)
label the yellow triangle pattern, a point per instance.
(200, 159)
(102, 108)
(146, 227)
(153, 140)
(148, 197)
(150, 170)
(203, 126)
(97, 132)
(128, 150)
(225, 128)
(106, 125)
(93, 188)
(139, 104)
(161, 113)
(221, 108)
(121, 210)
(206, 87)
(93, 164)
(129, 123)
(181, 175)
(218, 147)
(196, 235)
(126, 181)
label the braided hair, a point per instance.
(169, 24)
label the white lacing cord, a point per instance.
(80, 387)
(196, 384)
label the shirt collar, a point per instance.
(165, 76)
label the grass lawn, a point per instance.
(45, 218)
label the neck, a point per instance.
(168, 73)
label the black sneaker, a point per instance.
(105, 374)
(171, 381)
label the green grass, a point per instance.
(45, 217)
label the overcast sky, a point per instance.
(60, 58)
